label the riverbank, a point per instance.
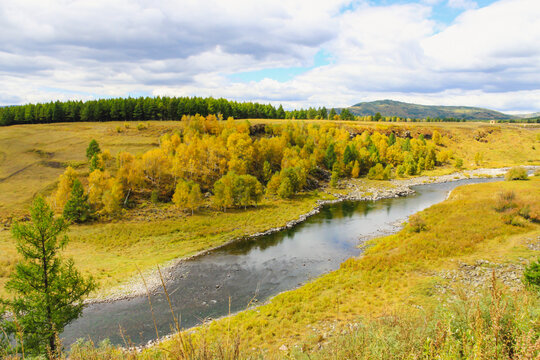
(403, 275)
(354, 189)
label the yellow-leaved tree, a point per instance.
(65, 184)
(130, 173)
(105, 193)
(241, 152)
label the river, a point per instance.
(258, 268)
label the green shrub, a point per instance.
(505, 201)
(513, 219)
(525, 212)
(417, 223)
(531, 276)
(516, 173)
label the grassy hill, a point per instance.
(406, 110)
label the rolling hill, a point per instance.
(406, 110)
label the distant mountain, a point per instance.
(406, 110)
(528, 116)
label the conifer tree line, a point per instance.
(231, 164)
(148, 108)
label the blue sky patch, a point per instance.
(321, 58)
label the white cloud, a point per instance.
(66, 49)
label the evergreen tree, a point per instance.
(77, 208)
(330, 156)
(280, 114)
(58, 112)
(346, 115)
(311, 113)
(137, 112)
(334, 178)
(391, 139)
(93, 149)
(95, 164)
(332, 114)
(350, 154)
(47, 292)
(406, 145)
(323, 113)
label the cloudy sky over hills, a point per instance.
(298, 53)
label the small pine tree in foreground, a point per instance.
(47, 291)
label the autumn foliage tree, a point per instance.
(188, 195)
(232, 160)
(65, 185)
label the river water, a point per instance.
(254, 269)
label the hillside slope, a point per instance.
(406, 110)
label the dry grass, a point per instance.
(497, 325)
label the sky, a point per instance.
(298, 53)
